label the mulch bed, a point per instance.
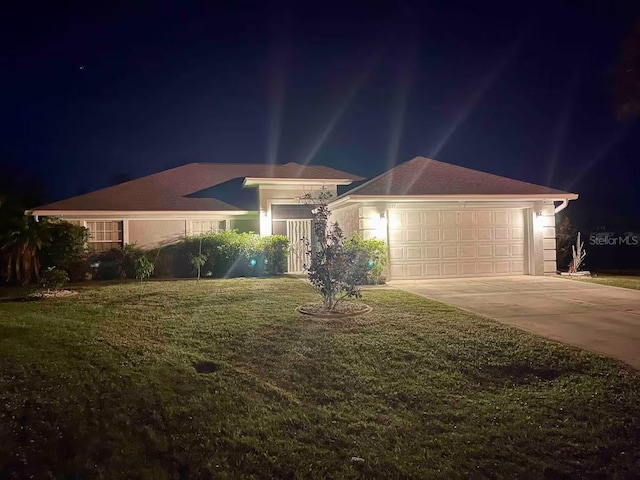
(343, 309)
(51, 294)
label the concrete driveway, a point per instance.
(596, 317)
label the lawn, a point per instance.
(624, 281)
(103, 385)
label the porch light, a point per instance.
(538, 220)
(253, 262)
(379, 226)
(265, 223)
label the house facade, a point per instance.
(437, 219)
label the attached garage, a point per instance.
(441, 221)
(430, 243)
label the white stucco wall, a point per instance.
(155, 233)
(348, 218)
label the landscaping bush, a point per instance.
(276, 253)
(66, 249)
(53, 278)
(117, 263)
(223, 254)
(370, 258)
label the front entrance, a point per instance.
(297, 232)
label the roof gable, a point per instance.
(425, 176)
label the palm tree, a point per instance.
(20, 247)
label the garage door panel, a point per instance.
(450, 269)
(433, 270)
(432, 235)
(468, 234)
(485, 268)
(467, 218)
(413, 218)
(449, 234)
(395, 237)
(468, 251)
(396, 253)
(517, 217)
(517, 233)
(431, 217)
(448, 218)
(468, 268)
(414, 270)
(432, 253)
(501, 233)
(414, 235)
(396, 271)
(484, 217)
(449, 243)
(501, 217)
(449, 251)
(503, 267)
(485, 233)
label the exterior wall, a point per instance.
(549, 239)
(155, 233)
(348, 219)
(372, 222)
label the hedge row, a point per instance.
(225, 254)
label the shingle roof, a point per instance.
(424, 176)
(169, 190)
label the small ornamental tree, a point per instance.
(198, 261)
(331, 269)
(144, 269)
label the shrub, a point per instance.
(223, 254)
(370, 257)
(276, 253)
(117, 263)
(66, 249)
(53, 278)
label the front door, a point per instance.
(297, 232)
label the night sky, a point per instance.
(521, 89)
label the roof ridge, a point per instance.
(389, 173)
(483, 172)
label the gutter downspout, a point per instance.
(562, 206)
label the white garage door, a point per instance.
(449, 243)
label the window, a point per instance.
(198, 227)
(104, 236)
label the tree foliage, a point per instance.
(20, 245)
(66, 249)
(564, 237)
(332, 267)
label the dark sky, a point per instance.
(520, 89)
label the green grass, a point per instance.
(102, 385)
(623, 281)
